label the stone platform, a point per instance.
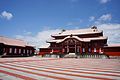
(36, 68)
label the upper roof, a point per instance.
(14, 42)
(78, 32)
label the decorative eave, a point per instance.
(76, 37)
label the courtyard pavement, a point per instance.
(36, 68)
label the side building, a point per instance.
(15, 47)
(82, 42)
(113, 50)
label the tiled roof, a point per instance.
(14, 42)
(78, 32)
(80, 39)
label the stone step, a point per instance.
(70, 55)
(92, 56)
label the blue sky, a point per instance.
(29, 19)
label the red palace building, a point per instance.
(14, 47)
(88, 42)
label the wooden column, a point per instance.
(6, 51)
(80, 50)
(97, 50)
(63, 50)
(75, 48)
(89, 50)
(92, 49)
(67, 47)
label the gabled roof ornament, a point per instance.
(71, 35)
(63, 30)
(93, 27)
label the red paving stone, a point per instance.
(35, 68)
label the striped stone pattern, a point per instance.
(35, 68)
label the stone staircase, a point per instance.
(70, 55)
(96, 56)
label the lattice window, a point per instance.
(10, 50)
(83, 49)
(89, 49)
(15, 51)
(24, 51)
(27, 51)
(94, 49)
(19, 50)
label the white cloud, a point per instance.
(74, 23)
(39, 40)
(27, 32)
(91, 18)
(74, 0)
(104, 18)
(6, 15)
(112, 31)
(104, 1)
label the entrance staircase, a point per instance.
(96, 56)
(70, 55)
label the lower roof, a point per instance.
(113, 45)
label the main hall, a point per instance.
(89, 41)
